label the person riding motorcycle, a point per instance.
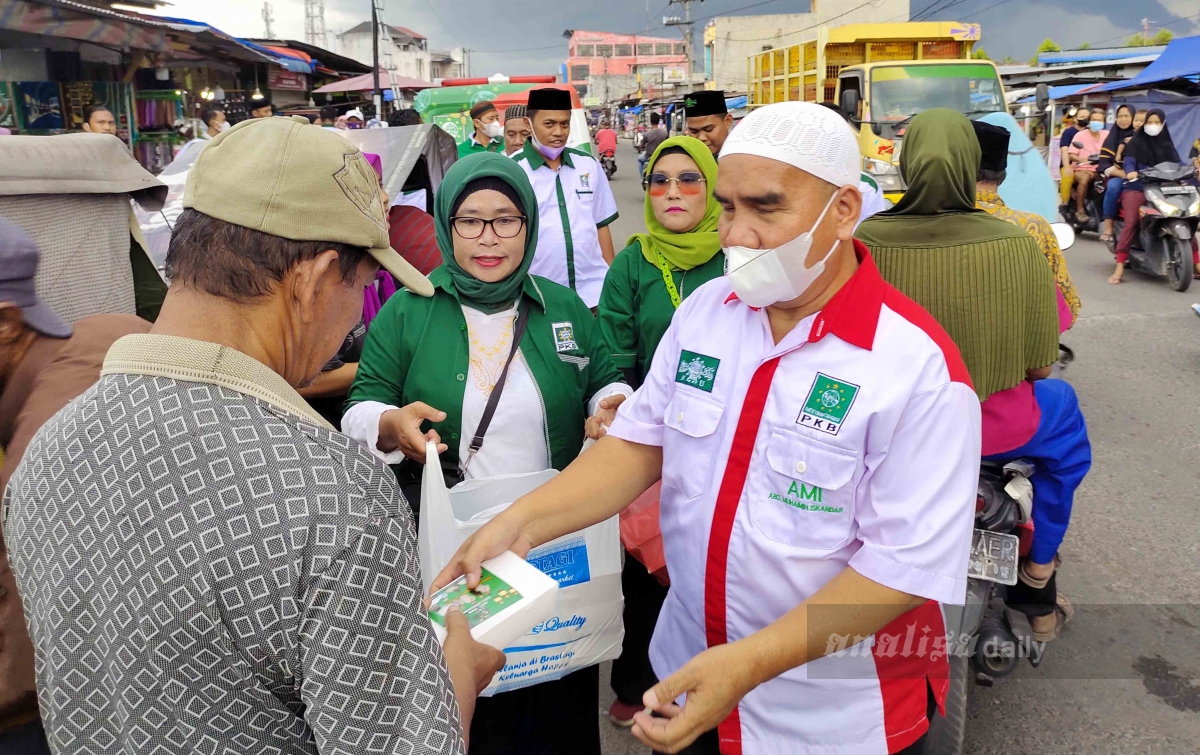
(1150, 146)
(1090, 140)
(1079, 120)
(987, 283)
(1110, 168)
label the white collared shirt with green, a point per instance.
(574, 203)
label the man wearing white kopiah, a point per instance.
(818, 441)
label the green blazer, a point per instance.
(416, 350)
(635, 308)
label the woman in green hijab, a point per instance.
(658, 269)
(430, 366)
(993, 291)
(648, 279)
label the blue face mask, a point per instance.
(1095, 125)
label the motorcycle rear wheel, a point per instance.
(1178, 256)
(946, 732)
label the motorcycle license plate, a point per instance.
(994, 557)
(1178, 190)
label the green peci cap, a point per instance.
(288, 178)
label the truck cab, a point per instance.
(881, 99)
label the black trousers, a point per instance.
(551, 718)
(644, 596)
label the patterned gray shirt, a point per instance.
(203, 572)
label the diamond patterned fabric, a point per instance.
(205, 573)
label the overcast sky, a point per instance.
(525, 36)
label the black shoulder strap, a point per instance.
(494, 399)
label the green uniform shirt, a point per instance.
(416, 350)
(635, 308)
(470, 146)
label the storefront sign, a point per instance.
(281, 79)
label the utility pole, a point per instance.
(268, 19)
(382, 35)
(376, 94)
(686, 23)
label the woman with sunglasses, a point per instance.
(430, 366)
(649, 278)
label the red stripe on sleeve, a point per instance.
(916, 314)
(909, 654)
(730, 492)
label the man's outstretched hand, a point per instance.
(504, 533)
(714, 681)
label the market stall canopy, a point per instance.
(87, 23)
(366, 83)
(1181, 60)
(319, 57)
(178, 39)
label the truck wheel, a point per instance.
(946, 733)
(1178, 255)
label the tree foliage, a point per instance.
(980, 54)
(1163, 37)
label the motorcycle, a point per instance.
(1093, 203)
(1168, 220)
(986, 638)
(608, 161)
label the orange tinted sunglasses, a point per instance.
(690, 183)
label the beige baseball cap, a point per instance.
(288, 178)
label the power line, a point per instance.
(799, 31)
(1161, 26)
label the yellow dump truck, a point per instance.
(881, 75)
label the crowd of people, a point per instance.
(1092, 152)
(212, 549)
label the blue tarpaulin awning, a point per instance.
(1067, 90)
(1181, 60)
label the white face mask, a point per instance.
(494, 130)
(761, 277)
(224, 126)
(1152, 129)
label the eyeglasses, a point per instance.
(690, 183)
(505, 227)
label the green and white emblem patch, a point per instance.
(564, 337)
(829, 401)
(697, 370)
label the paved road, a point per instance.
(1125, 677)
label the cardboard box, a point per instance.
(512, 597)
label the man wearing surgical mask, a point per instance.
(815, 432)
(488, 134)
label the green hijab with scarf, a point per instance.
(683, 251)
(985, 281)
(472, 292)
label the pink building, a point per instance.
(600, 52)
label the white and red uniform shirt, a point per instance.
(854, 442)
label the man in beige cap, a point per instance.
(204, 562)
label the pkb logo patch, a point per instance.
(564, 337)
(697, 370)
(829, 401)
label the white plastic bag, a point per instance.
(586, 626)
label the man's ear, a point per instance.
(312, 279)
(729, 120)
(848, 205)
(12, 324)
